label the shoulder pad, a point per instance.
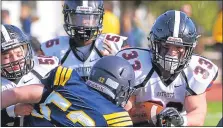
(44, 64)
(200, 73)
(56, 46)
(140, 60)
(116, 41)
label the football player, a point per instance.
(19, 67)
(170, 74)
(66, 100)
(85, 44)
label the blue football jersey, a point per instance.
(68, 101)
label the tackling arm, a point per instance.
(25, 94)
(196, 107)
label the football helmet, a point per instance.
(173, 28)
(114, 78)
(83, 19)
(12, 37)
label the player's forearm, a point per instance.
(25, 94)
(29, 93)
(195, 118)
(8, 98)
(196, 108)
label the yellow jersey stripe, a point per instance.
(57, 78)
(119, 120)
(115, 115)
(122, 124)
(62, 75)
(67, 76)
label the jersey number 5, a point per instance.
(46, 60)
(112, 38)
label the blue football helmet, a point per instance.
(177, 29)
(12, 37)
(114, 78)
(83, 19)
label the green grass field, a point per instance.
(214, 113)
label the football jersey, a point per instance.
(68, 101)
(42, 65)
(195, 79)
(7, 84)
(60, 47)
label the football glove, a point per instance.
(169, 116)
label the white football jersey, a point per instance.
(6, 84)
(199, 76)
(60, 47)
(42, 65)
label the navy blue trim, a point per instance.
(134, 48)
(213, 80)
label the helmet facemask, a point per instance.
(16, 69)
(84, 23)
(168, 63)
(124, 95)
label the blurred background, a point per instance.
(43, 20)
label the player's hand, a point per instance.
(169, 116)
(107, 49)
(23, 109)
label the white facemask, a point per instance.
(170, 63)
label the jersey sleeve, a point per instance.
(6, 84)
(118, 119)
(141, 62)
(56, 78)
(47, 46)
(201, 74)
(44, 64)
(117, 42)
(55, 47)
(47, 62)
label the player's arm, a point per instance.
(24, 94)
(113, 43)
(196, 107)
(195, 102)
(131, 103)
(30, 93)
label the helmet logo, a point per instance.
(101, 80)
(174, 40)
(84, 8)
